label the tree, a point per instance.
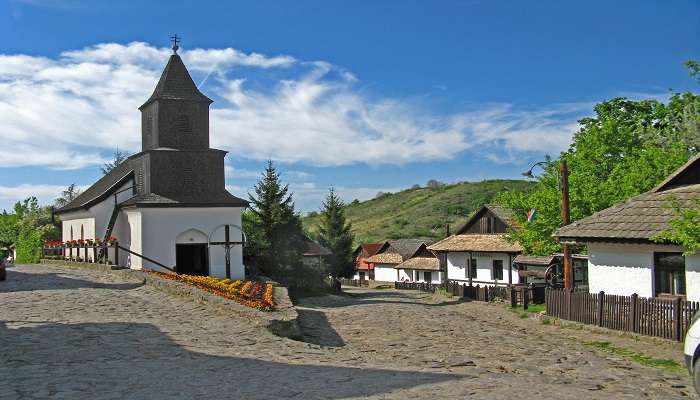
(280, 239)
(625, 149)
(67, 196)
(34, 226)
(434, 184)
(334, 233)
(117, 158)
(685, 226)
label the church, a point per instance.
(167, 205)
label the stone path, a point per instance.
(74, 334)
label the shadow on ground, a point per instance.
(22, 281)
(316, 329)
(358, 298)
(132, 360)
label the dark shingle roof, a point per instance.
(223, 199)
(175, 83)
(314, 249)
(408, 247)
(100, 189)
(637, 219)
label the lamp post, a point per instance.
(565, 217)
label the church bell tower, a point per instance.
(176, 116)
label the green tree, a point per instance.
(625, 149)
(34, 226)
(117, 158)
(685, 226)
(276, 227)
(334, 233)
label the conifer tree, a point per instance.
(334, 233)
(279, 230)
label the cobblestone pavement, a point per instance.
(79, 334)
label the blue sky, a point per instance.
(365, 96)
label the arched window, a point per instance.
(82, 232)
(71, 233)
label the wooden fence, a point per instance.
(668, 318)
(523, 295)
(354, 282)
(84, 252)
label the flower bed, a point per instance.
(249, 293)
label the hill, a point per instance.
(419, 212)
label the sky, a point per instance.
(362, 96)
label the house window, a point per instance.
(427, 277)
(472, 268)
(416, 276)
(362, 276)
(498, 270)
(669, 273)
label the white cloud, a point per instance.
(69, 111)
(46, 194)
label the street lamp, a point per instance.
(564, 189)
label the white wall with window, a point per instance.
(423, 276)
(647, 270)
(484, 268)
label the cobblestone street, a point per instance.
(81, 334)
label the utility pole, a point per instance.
(564, 187)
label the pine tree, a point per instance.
(277, 226)
(334, 233)
(117, 158)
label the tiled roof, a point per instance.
(476, 242)
(637, 219)
(385, 258)
(370, 249)
(422, 263)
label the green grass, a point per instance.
(420, 212)
(639, 358)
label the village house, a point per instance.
(623, 258)
(395, 252)
(423, 267)
(479, 252)
(363, 269)
(315, 256)
(167, 202)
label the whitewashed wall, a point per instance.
(160, 228)
(95, 219)
(384, 272)
(457, 262)
(410, 275)
(624, 269)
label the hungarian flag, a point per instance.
(531, 214)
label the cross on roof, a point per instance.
(175, 40)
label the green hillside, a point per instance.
(420, 212)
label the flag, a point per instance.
(531, 214)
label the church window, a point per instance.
(82, 233)
(71, 233)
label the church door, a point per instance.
(191, 259)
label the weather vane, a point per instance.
(175, 40)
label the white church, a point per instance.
(167, 203)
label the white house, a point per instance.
(393, 253)
(479, 253)
(422, 269)
(624, 259)
(167, 202)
